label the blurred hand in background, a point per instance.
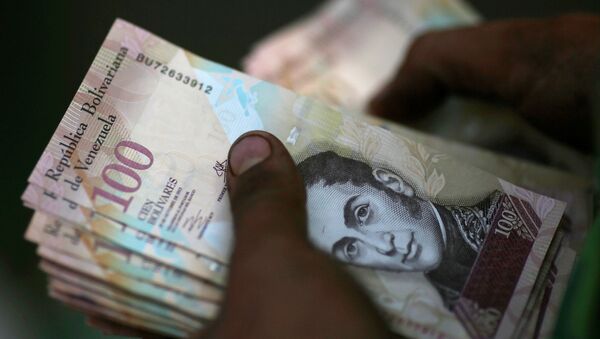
(545, 68)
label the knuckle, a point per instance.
(265, 187)
(421, 44)
(268, 203)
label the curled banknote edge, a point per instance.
(46, 230)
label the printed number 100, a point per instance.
(126, 167)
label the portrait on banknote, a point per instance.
(374, 218)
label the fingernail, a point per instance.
(247, 152)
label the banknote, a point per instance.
(91, 308)
(556, 285)
(93, 286)
(49, 231)
(575, 190)
(532, 300)
(344, 51)
(97, 291)
(441, 245)
(129, 238)
(65, 288)
(183, 303)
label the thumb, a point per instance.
(266, 191)
(279, 286)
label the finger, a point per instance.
(267, 194)
(458, 60)
(276, 278)
(543, 68)
(492, 60)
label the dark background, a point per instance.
(46, 49)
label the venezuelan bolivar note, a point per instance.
(123, 279)
(49, 231)
(195, 307)
(121, 307)
(91, 285)
(441, 245)
(542, 322)
(344, 51)
(130, 239)
(91, 290)
(90, 307)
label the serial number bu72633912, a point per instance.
(172, 73)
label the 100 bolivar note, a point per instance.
(441, 246)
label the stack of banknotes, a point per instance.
(133, 224)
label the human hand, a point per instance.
(279, 285)
(545, 68)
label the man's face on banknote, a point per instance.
(385, 227)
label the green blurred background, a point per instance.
(46, 49)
